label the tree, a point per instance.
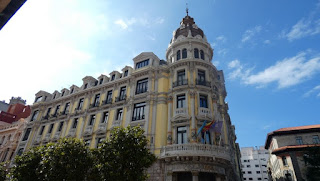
(68, 159)
(3, 172)
(124, 156)
(312, 159)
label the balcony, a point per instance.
(94, 105)
(202, 111)
(88, 130)
(142, 90)
(107, 101)
(66, 112)
(72, 132)
(140, 117)
(56, 136)
(47, 137)
(78, 109)
(121, 98)
(116, 123)
(180, 111)
(195, 150)
(180, 83)
(38, 139)
(102, 127)
(46, 117)
(203, 83)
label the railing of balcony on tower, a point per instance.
(180, 83)
(203, 82)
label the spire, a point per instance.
(187, 10)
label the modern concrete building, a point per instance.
(254, 163)
(170, 99)
(287, 147)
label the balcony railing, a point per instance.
(107, 101)
(46, 117)
(121, 98)
(72, 132)
(181, 111)
(78, 108)
(180, 83)
(195, 149)
(88, 130)
(93, 105)
(66, 112)
(141, 90)
(136, 118)
(56, 135)
(203, 82)
(202, 111)
(116, 123)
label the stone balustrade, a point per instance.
(88, 130)
(195, 149)
(202, 111)
(180, 111)
(72, 132)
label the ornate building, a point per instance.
(170, 99)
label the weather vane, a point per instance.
(187, 10)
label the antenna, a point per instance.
(187, 10)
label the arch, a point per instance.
(202, 54)
(184, 53)
(178, 55)
(196, 53)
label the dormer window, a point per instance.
(178, 55)
(85, 86)
(62, 94)
(196, 53)
(113, 77)
(101, 80)
(201, 54)
(38, 99)
(126, 73)
(72, 90)
(184, 53)
(54, 96)
(142, 64)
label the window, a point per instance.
(41, 131)
(99, 140)
(60, 126)
(126, 73)
(259, 179)
(181, 80)
(72, 90)
(20, 151)
(201, 76)
(182, 135)
(248, 166)
(92, 119)
(50, 128)
(96, 100)
(100, 81)
(299, 140)
(315, 139)
(196, 53)
(75, 122)
(244, 160)
(250, 178)
(105, 117)
(87, 142)
(26, 134)
(203, 101)
(35, 115)
(113, 77)
(109, 97)
(201, 54)
(80, 104)
(38, 99)
(142, 86)
(85, 86)
(119, 114)
(258, 172)
(66, 108)
(54, 96)
(122, 95)
(62, 94)
(249, 172)
(178, 55)
(142, 64)
(244, 178)
(56, 111)
(184, 53)
(284, 161)
(256, 165)
(138, 111)
(181, 101)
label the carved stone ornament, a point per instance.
(169, 138)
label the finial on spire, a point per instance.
(187, 10)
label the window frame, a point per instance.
(184, 53)
(183, 134)
(139, 111)
(181, 101)
(142, 86)
(196, 53)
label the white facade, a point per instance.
(254, 163)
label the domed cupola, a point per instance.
(188, 42)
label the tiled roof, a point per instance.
(298, 128)
(294, 147)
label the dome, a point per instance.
(187, 24)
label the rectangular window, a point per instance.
(109, 97)
(54, 96)
(72, 90)
(119, 114)
(26, 134)
(181, 76)
(99, 140)
(80, 103)
(57, 110)
(113, 77)
(142, 64)
(38, 99)
(35, 115)
(181, 101)
(85, 86)
(75, 122)
(101, 81)
(249, 172)
(122, 92)
(50, 128)
(48, 112)
(66, 108)
(142, 86)
(60, 126)
(105, 117)
(138, 111)
(201, 76)
(299, 140)
(182, 135)
(126, 73)
(92, 119)
(96, 100)
(256, 165)
(41, 131)
(258, 171)
(315, 139)
(259, 179)
(203, 101)
(248, 166)
(62, 94)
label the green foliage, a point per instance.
(124, 155)
(312, 159)
(3, 171)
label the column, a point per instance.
(193, 118)
(195, 176)
(146, 123)
(169, 140)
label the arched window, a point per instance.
(178, 55)
(201, 54)
(196, 53)
(184, 53)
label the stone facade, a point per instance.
(169, 99)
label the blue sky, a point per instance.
(269, 51)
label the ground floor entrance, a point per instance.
(197, 176)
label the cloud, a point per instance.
(124, 24)
(316, 89)
(266, 41)
(221, 38)
(143, 21)
(248, 34)
(287, 72)
(266, 127)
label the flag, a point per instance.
(207, 126)
(203, 125)
(217, 127)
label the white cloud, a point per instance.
(221, 38)
(304, 28)
(313, 90)
(143, 21)
(286, 73)
(266, 41)
(121, 23)
(248, 34)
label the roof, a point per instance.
(188, 23)
(292, 148)
(291, 130)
